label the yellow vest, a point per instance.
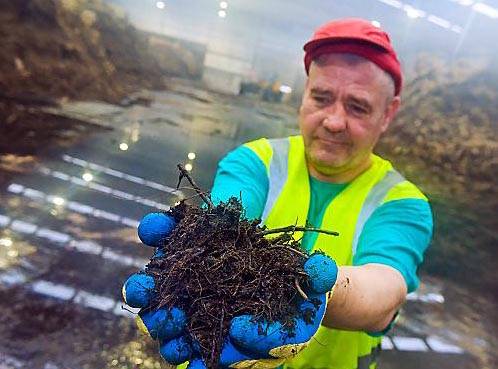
(288, 203)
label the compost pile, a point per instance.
(218, 265)
(79, 49)
(445, 132)
(444, 139)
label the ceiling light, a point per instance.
(222, 14)
(123, 146)
(7, 242)
(191, 155)
(393, 3)
(285, 89)
(464, 2)
(439, 21)
(223, 5)
(160, 4)
(413, 13)
(59, 201)
(87, 177)
(486, 10)
(188, 167)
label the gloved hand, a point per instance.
(249, 344)
(165, 325)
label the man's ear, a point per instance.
(390, 112)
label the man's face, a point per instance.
(347, 105)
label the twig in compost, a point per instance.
(184, 173)
(288, 248)
(297, 229)
(300, 290)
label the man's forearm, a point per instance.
(365, 298)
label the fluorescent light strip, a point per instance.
(53, 290)
(435, 298)
(410, 344)
(66, 240)
(439, 21)
(118, 174)
(104, 189)
(463, 2)
(486, 10)
(393, 3)
(90, 300)
(479, 7)
(67, 293)
(439, 345)
(77, 207)
(415, 13)
(387, 344)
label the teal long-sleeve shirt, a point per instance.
(396, 234)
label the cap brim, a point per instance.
(313, 44)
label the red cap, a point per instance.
(359, 37)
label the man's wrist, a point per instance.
(387, 329)
(365, 298)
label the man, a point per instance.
(329, 177)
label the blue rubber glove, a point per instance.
(165, 325)
(262, 345)
(247, 345)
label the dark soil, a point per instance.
(219, 265)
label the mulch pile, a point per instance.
(444, 139)
(445, 132)
(79, 49)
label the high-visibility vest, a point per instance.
(288, 202)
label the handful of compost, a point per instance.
(220, 292)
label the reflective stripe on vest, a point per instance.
(373, 200)
(278, 176)
(278, 172)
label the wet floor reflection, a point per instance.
(13, 250)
